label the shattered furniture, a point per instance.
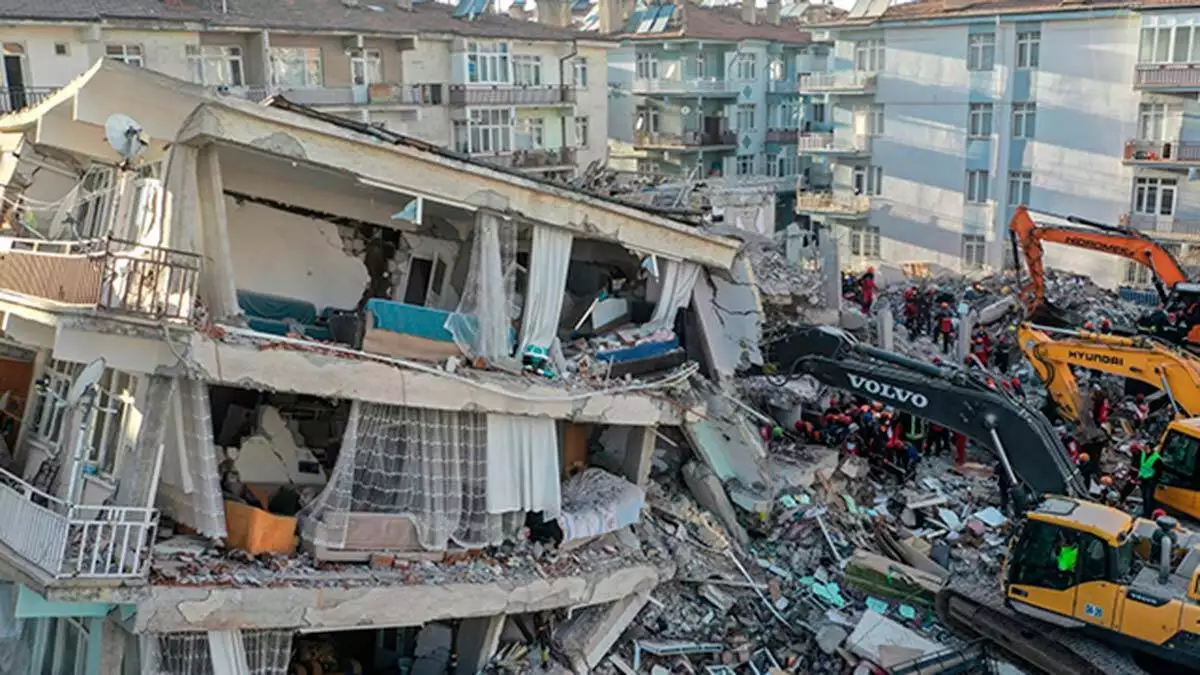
(596, 502)
(258, 531)
(279, 315)
(649, 354)
(408, 331)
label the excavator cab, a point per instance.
(1078, 564)
(1179, 486)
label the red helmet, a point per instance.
(1158, 513)
(1016, 381)
(1088, 325)
(1171, 317)
(1105, 322)
(870, 270)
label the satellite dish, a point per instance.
(685, 110)
(86, 381)
(126, 136)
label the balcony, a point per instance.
(1163, 154)
(511, 95)
(687, 139)
(848, 82)
(833, 205)
(1166, 76)
(687, 87)
(787, 86)
(856, 147)
(545, 160)
(110, 275)
(19, 98)
(1162, 225)
(783, 135)
(64, 541)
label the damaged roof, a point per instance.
(721, 23)
(375, 17)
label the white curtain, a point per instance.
(190, 489)
(548, 262)
(678, 279)
(522, 465)
(481, 324)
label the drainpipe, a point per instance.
(999, 183)
(562, 79)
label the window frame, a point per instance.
(1164, 45)
(307, 58)
(745, 67)
(227, 60)
(1147, 189)
(489, 63)
(1024, 120)
(372, 62)
(867, 179)
(579, 72)
(1020, 184)
(981, 52)
(869, 55)
(980, 120)
(581, 139)
(744, 116)
(131, 54)
(527, 70)
(645, 65)
(974, 251)
(1029, 48)
(865, 243)
(1152, 114)
(497, 130)
(977, 191)
(744, 165)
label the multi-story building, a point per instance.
(235, 323)
(948, 115)
(516, 93)
(710, 92)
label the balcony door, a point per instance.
(15, 97)
(366, 69)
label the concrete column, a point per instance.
(217, 277)
(476, 641)
(112, 645)
(966, 324)
(831, 266)
(638, 455)
(887, 328)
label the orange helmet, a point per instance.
(1083, 457)
(1106, 480)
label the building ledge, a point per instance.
(294, 594)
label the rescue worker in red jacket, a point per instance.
(867, 285)
(945, 327)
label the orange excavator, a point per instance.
(1170, 280)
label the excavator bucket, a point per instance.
(1049, 314)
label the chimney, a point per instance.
(611, 16)
(554, 13)
(774, 9)
(515, 10)
(749, 13)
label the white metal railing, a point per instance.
(815, 141)
(785, 86)
(858, 144)
(699, 85)
(829, 203)
(847, 80)
(75, 541)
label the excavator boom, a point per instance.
(1130, 244)
(959, 400)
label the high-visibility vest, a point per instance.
(1067, 557)
(917, 428)
(1146, 470)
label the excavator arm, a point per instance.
(1138, 358)
(1028, 237)
(963, 401)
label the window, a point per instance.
(366, 67)
(778, 70)
(1029, 45)
(297, 67)
(1152, 119)
(974, 251)
(215, 65)
(977, 187)
(981, 51)
(1170, 44)
(582, 129)
(874, 116)
(62, 49)
(868, 56)
(1024, 120)
(1179, 459)
(527, 70)
(773, 165)
(1154, 196)
(579, 73)
(490, 130)
(647, 119)
(979, 121)
(818, 113)
(487, 63)
(1136, 274)
(127, 54)
(745, 117)
(1035, 556)
(701, 66)
(1019, 185)
(646, 66)
(864, 242)
(49, 413)
(867, 180)
(786, 115)
(114, 401)
(745, 67)
(745, 165)
(1093, 559)
(530, 134)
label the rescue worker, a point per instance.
(915, 428)
(1148, 463)
(912, 314)
(1106, 326)
(945, 327)
(925, 306)
(1068, 555)
(1001, 357)
(866, 285)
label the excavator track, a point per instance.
(981, 612)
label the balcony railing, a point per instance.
(694, 85)
(788, 86)
(783, 135)
(1160, 224)
(695, 139)
(1166, 76)
(75, 541)
(511, 95)
(533, 159)
(850, 81)
(108, 274)
(1162, 152)
(13, 99)
(829, 144)
(834, 204)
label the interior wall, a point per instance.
(283, 254)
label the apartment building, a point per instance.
(948, 115)
(241, 324)
(708, 92)
(520, 94)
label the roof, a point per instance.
(378, 17)
(720, 23)
(929, 9)
(1107, 523)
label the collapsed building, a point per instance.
(379, 373)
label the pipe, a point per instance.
(562, 82)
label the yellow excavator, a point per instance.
(1172, 370)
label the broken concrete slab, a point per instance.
(887, 643)
(830, 637)
(879, 575)
(710, 494)
(590, 633)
